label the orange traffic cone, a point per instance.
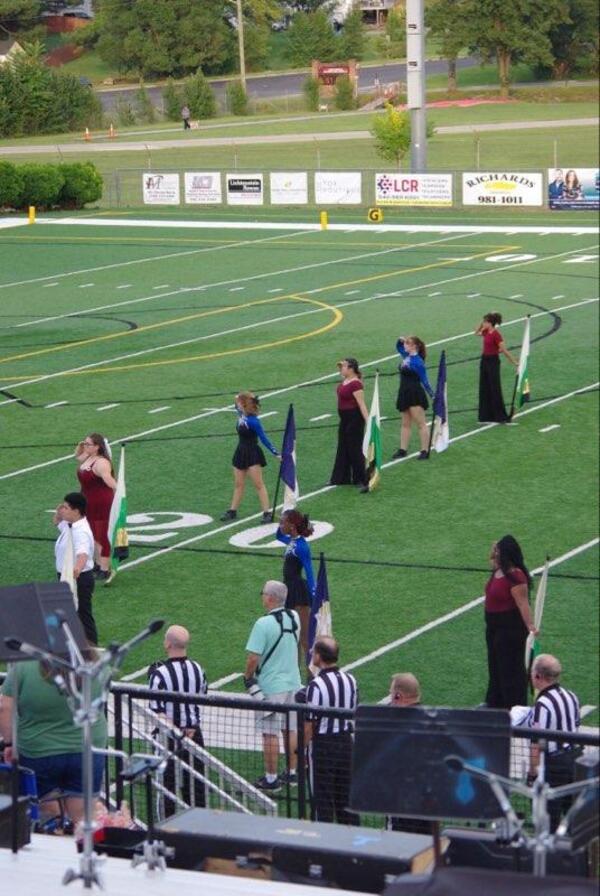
(111, 131)
(87, 136)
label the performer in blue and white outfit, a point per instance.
(412, 395)
(248, 458)
(294, 529)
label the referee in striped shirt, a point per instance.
(555, 708)
(178, 673)
(330, 738)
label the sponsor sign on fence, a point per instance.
(289, 188)
(244, 189)
(395, 188)
(337, 187)
(574, 188)
(203, 187)
(160, 189)
(502, 188)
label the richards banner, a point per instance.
(577, 189)
(413, 189)
(502, 188)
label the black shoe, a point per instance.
(267, 517)
(423, 455)
(103, 575)
(268, 786)
(289, 777)
(228, 515)
(399, 453)
(364, 489)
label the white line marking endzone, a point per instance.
(392, 463)
(550, 428)
(458, 611)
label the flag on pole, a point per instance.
(532, 646)
(522, 391)
(372, 439)
(117, 520)
(440, 435)
(288, 462)
(66, 574)
(319, 625)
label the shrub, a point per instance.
(124, 112)
(237, 99)
(41, 185)
(310, 89)
(145, 108)
(344, 94)
(11, 185)
(198, 95)
(82, 184)
(172, 101)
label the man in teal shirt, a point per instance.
(272, 667)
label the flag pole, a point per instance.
(278, 483)
(433, 414)
(514, 395)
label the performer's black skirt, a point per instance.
(411, 393)
(491, 402)
(248, 454)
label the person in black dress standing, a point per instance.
(349, 465)
(491, 402)
(248, 458)
(412, 394)
(294, 529)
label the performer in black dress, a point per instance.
(491, 402)
(248, 458)
(412, 394)
(349, 465)
(294, 529)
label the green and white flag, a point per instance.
(522, 391)
(532, 647)
(372, 439)
(117, 521)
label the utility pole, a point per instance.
(415, 83)
(240, 30)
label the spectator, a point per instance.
(95, 474)
(179, 673)
(185, 117)
(555, 708)
(48, 741)
(405, 690)
(272, 672)
(330, 737)
(70, 517)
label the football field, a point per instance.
(144, 328)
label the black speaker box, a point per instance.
(23, 822)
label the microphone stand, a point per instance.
(77, 686)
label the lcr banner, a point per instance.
(203, 188)
(244, 189)
(160, 189)
(413, 189)
(289, 188)
(338, 187)
(574, 188)
(502, 188)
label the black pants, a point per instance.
(186, 124)
(330, 764)
(491, 402)
(560, 769)
(189, 785)
(349, 466)
(505, 636)
(85, 590)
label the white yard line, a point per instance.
(165, 407)
(550, 428)
(314, 419)
(107, 407)
(448, 617)
(56, 404)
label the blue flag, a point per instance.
(288, 462)
(440, 435)
(320, 616)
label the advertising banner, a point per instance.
(396, 188)
(244, 189)
(574, 188)
(160, 189)
(289, 188)
(502, 188)
(203, 188)
(338, 187)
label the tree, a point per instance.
(391, 130)
(256, 46)
(311, 37)
(237, 98)
(344, 94)
(172, 101)
(198, 95)
(19, 15)
(145, 107)
(448, 21)
(353, 36)
(514, 30)
(574, 42)
(310, 89)
(393, 43)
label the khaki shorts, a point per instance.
(271, 722)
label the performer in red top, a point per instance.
(491, 402)
(507, 624)
(349, 466)
(95, 474)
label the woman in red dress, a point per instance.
(349, 466)
(491, 402)
(95, 474)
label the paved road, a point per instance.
(270, 86)
(119, 146)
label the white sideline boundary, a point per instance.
(349, 227)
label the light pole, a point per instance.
(240, 29)
(415, 83)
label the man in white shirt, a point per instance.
(74, 553)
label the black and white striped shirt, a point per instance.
(184, 676)
(332, 689)
(558, 709)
